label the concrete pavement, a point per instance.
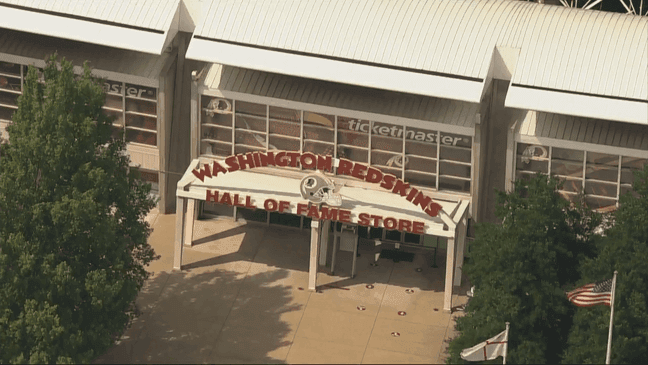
(242, 298)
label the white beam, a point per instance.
(179, 228)
(449, 277)
(189, 223)
(461, 245)
(338, 71)
(314, 251)
(326, 226)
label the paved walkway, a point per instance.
(242, 298)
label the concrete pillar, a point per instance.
(461, 244)
(355, 257)
(314, 251)
(189, 222)
(336, 244)
(326, 227)
(450, 265)
(179, 232)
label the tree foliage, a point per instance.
(623, 248)
(520, 269)
(73, 242)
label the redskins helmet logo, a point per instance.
(318, 188)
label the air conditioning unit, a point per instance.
(218, 106)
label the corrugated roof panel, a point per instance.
(495, 32)
(561, 48)
(421, 31)
(639, 73)
(436, 56)
(112, 14)
(481, 48)
(613, 35)
(324, 93)
(116, 23)
(554, 29)
(592, 53)
(397, 34)
(379, 14)
(336, 37)
(430, 43)
(466, 38)
(405, 33)
(144, 68)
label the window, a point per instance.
(11, 76)
(602, 177)
(319, 133)
(141, 114)
(216, 126)
(455, 163)
(250, 127)
(133, 107)
(285, 126)
(387, 148)
(420, 156)
(353, 139)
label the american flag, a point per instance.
(592, 294)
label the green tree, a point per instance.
(73, 242)
(623, 248)
(520, 269)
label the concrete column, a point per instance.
(336, 244)
(189, 222)
(461, 245)
(450, 265)
(314, 251)
(326, 227)
(179, 232)
(355, 257)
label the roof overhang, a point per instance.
(578, 104)
(260, 187)
(348, 71)
(86, 29)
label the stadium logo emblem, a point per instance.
(318, 188)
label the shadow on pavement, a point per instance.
(184, 316)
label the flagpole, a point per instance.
(609, 344)
(506, 344)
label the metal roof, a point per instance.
(141, 25)
(447, 44)
(115, 64)
(597, 132)
(458, 116)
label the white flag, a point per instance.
(487, 350)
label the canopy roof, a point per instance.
(139, 25)
(586, 62)
(260, 186)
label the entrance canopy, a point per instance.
(262, 190)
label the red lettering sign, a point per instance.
(325, 163)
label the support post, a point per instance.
(314, 251)
(189, 222)
(336, 244)
(461, 245)
(179, 232)
(355, 256)
(450, 265)
(326, 227)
